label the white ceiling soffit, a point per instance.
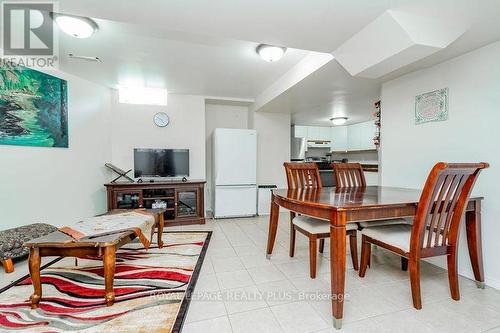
(393, 40)
(328, 92)
(309, 64)
(228, 101)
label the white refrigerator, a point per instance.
(234, 172)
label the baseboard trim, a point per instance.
(492, 282)
(488, 281)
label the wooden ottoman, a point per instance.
(12, 240)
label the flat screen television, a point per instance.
(161, 163)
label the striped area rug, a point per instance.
(150, 286)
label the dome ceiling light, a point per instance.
(270, 53)
(76, 26)
(336, 121)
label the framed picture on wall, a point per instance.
(33, 108)
(431, 106)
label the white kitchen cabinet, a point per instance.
(344, 138)
(367, 133)
(324, 133)
(301, 131)
(371, 178)
(360, 136)
(313, 133)
(354, 137)
(318, 133)
(339, 138)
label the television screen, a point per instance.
(161, 162)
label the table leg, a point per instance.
(109, 260)
(473, 230)
(273, 227)
(161, 224)
(34, 267)
(8, 265)
(337, 266)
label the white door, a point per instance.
(235, 157)
(231, 201)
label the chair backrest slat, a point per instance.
(302, 175)
(442, 204)
(438, 193)
(349, 175)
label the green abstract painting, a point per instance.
(33, 108)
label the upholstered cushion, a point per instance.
(395, 235)
(369, 224)
(317, 226)
(12, 240)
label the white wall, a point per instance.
(133, 127)
(470, 134)
(273, 146)
(58, 185)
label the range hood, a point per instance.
(319, 144)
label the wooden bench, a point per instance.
(12, 240)
(104, 246)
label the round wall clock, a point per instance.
(161, 119)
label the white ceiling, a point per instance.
(207, 47)
(316, 25)
(181, 62)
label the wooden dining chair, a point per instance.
(436, 225)
(352, 175)
(306, 175)
(349, 175)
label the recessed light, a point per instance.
(270, 53)
(338, 120)
(76, 26)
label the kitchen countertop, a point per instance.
(367, 167)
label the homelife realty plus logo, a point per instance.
(28, 37)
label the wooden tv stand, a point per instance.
(185, 200)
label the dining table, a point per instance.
(355, 204)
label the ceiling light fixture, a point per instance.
(76, 26)
(271, 53)
(338, 120)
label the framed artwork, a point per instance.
(33, 108)
(431, 106)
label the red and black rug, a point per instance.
(152, 290)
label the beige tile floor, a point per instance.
(240, 291)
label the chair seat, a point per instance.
(395, 235)
(384, 222)
(317, 226)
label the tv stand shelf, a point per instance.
(185, 200)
